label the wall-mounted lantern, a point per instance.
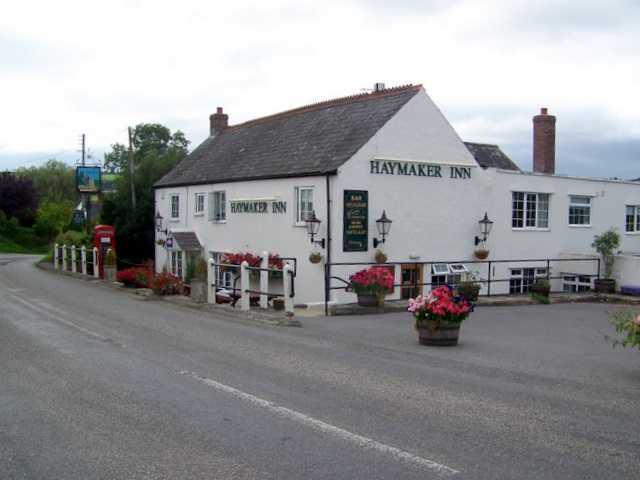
(383, 224)
(313, 225)
(485, 228)
(158, 222)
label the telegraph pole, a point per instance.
(131, 169)
(87, 202)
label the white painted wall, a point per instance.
(434, 218)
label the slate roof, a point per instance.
(186, 240)
(490, 156)
(311, 140)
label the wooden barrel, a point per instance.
(443, 335)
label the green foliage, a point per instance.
(24, 236)
(9, 246)
(53, 218)
(625, 321)
(79, 239)
(190, 271)
(156, 152)
(54, 181)
(111, 258)
(541, 298)
(202, 268)
(606, 244)
(147, 138)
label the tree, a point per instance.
(53, 218)
(155, 153)
(55, 181)
(18, 198)
(146, 138)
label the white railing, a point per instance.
(66, 258)
(246, 296)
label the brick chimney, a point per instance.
(544, 143)
(218, 122)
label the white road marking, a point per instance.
(67, 322)
(364, 442)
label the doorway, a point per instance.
(411, 279)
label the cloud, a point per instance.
(490, 66)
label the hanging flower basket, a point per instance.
(481, 253)
(315, 257)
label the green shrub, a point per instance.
(79, 239)
(190, 271)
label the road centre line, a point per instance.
(364, 442)
(67, 322)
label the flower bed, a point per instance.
(136, 277)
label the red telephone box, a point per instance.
(104, 238)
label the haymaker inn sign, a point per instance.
(418, 169)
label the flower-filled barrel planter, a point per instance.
(438, 316)
(371, 285)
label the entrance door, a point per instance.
(411, 277)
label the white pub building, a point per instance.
(253, 187)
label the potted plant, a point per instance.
(625, 321)
(315, 257)
(606, 245)
(380, 256)
(110, 266)
(541, 286)
(371, 285)
(199, 288)
(469, 288)
(438, 316)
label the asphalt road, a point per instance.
(98, 383)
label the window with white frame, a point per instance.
(575, 283)
(199, 204)
(304, 204)
(447, 274)
(175, 206)
(176, 257)
(222, 277)
(530, 210)
(579, 210)
(632, 223)
(218, 206)
(521, 279)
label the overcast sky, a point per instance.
(72, 67)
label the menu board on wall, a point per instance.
(356, 221)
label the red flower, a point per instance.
(374, 279)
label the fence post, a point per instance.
(287, 281)
(264, 281)
(245, 301)
(55, 256)
(83, 259)
(211, 286)
(74, 266)
(96, 266)
(64, 257)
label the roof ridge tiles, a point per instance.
(327, 103)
